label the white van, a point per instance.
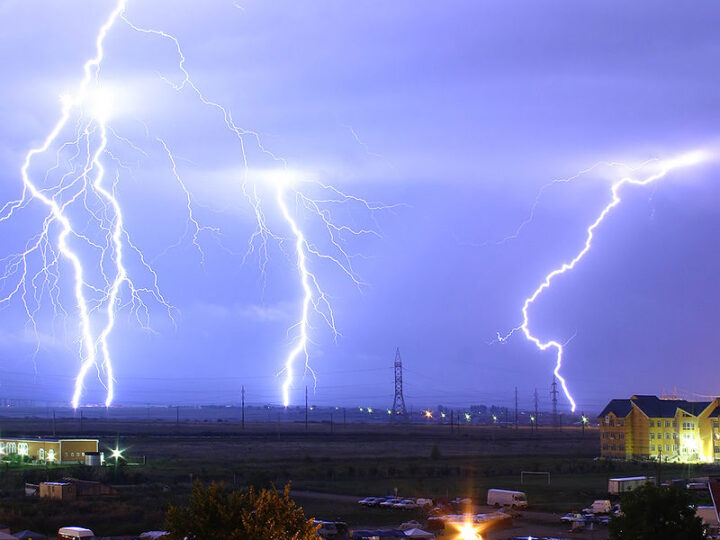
(75, 533)
(600, 506)
(505, 497)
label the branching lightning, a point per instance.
(84, 215)
(663, 168)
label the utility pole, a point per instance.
(243, 406)
(554, 394)
(306, 410)
(516, 409)
(536, 411)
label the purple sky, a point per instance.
(462, 112)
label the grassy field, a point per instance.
(349, 462)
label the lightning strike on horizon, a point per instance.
(84, 186)
(664, 168)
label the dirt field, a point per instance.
(330, 467)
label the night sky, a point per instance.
(454, 113)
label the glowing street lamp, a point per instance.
(467, 417)
(428, 414)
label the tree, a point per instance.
(650, 513)
(214, 512)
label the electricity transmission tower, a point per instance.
(398, 408)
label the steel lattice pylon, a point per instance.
(398, 408)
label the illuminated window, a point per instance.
(41, 454)
(51, 455)
(11, 448)
(23, 449)
(2, 448)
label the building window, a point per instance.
(11, 448)
(41, 454)
(667, 435)
(667, 423)
(620, 423)
(652, 436)
(612, 435)
(715, 424)
(612, 447)
(652, 423)
(23, 449)
(667, 447)
(51, 455)
(621, 435)
(621, 447)
(674, 423)
(652, 447)
(716, 449)
(674, 447)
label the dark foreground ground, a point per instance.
(329, 469)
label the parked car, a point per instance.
(425, 502)
(388, 503)
(406, 504)
(370, 501)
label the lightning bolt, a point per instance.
(85, 188)
(664, 167)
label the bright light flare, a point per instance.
(654, 171)
(116, 454)
(428, 414)
(467, 530)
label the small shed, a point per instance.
(64, 491)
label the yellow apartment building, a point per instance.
(51, 450)
(647, 427)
